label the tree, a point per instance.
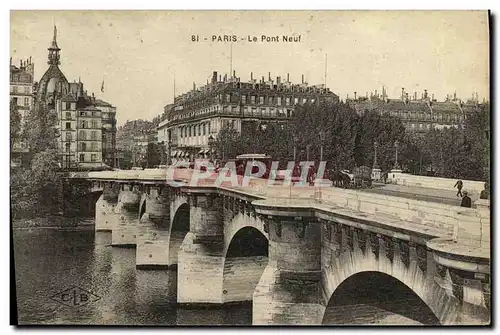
(41, 134)
(15, 124)
(228, 143)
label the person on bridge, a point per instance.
(466, 201)
(459, 184)
(485, 194)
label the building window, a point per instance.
(233, 124)
(304, 101)
(68, 105)
(94, 146)
(209, 128)
(14, 89)
(83, 146)
(313, 100)
(93, 157)
(270, 100)
(261, 100)
(84, 124)
(93, 135)
(204, 129)
(295, 101)
(190, 131)
(68, 125)
(68, 115)
(95, 124)
(252, 99)
(243, 99)
(82, 113)
(69, 136)
(83, 135)
(27, 89)
(287, 101)
(82, 157)
(279, 101)
(228, 97)
(68, 147)
(26, 101)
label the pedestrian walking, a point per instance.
(459, 184)
(466, 201)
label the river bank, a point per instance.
(54, 222)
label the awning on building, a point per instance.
(201, 151)
(174, 153)
(206, 151)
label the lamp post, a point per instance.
(210, 145)
(396, 145)
(295, 141)
(376, 170)
(322, 139)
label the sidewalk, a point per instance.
(420, 193)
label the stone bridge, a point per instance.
(292, 250)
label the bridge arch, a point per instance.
(246, 252)
(352, 265)
(373, 297)
(179, 227)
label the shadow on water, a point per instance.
(49, 261)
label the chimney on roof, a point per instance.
(432, 97)
(251, 76)
(425, 94)
(30, 59)
(455, 95)
(477, 97)
(262, 79)
(288, 77)
(194, 86)
(234, 73)
(355, 95)
(376, 93)
(214, 77)
(402, 93)
(347, 98)
(269, 74)
(277, 80)
(302, 79)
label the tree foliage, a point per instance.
(15, 124)
(349, 140)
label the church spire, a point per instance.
(54, 50)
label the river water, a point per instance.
(49, 261)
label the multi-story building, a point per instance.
(87, 125)
(108, 131)
(21, 94)
(418, 114)
(201, 113)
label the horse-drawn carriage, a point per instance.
(362, 177)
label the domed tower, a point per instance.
(53, 83)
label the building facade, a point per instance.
(87, 126)
(418, 114)
(199, 115)
(21, 94)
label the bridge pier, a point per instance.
(201, 256)
(153, 229)
(104, 207)
(126, 215)
(289, 289)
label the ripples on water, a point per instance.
(48, 261)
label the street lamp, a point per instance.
(375, 147)
(295, 141)
(396, 145)
(322, 139)
(210, 145)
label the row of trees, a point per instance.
(348, 140)
(35, 190)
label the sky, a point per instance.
(139, 53)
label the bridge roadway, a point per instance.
(312, 240)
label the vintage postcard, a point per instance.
(250, 168)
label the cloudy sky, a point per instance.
(137, 54)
